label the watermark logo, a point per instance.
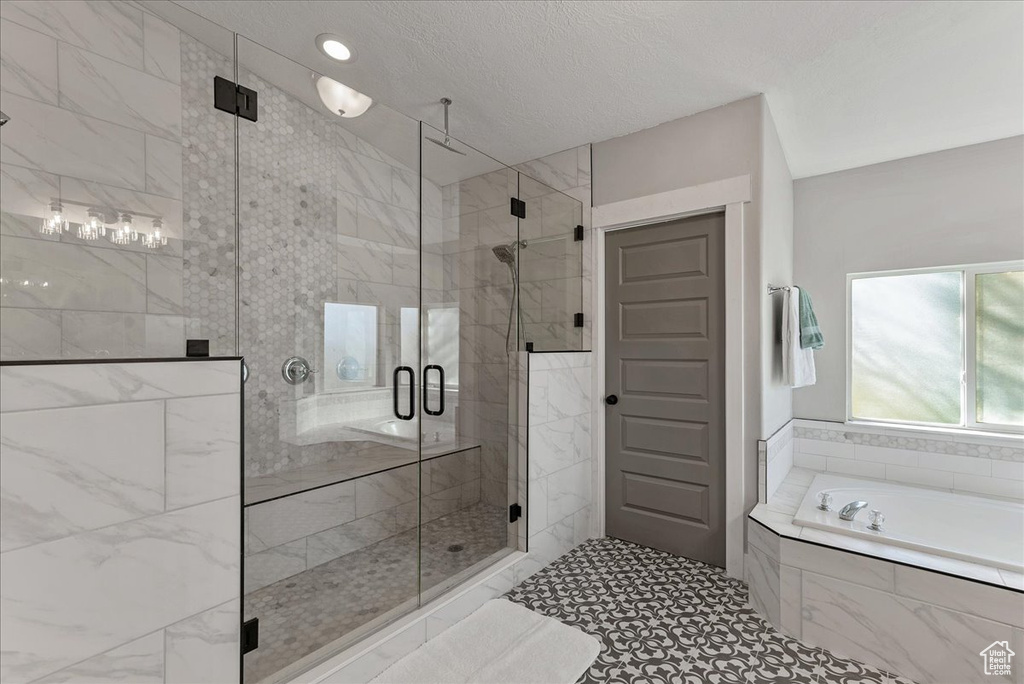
(998, 657)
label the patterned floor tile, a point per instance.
(665, 619)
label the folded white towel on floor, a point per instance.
(501, 643)
(797, 363)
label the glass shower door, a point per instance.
(468, 338)
(329, 297)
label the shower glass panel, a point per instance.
(550, 267)
(329, 284)
(117, 180)
(468, 341)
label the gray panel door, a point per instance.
(665, 449)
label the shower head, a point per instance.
(447, 143)
(505, 254)
(4, 118)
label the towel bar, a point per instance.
(772, 289)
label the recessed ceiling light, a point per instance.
(332, 46)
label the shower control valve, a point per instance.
(295, 370)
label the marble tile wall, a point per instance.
(95, 99)
(476, 219)
(120, 534)
(774, 461)
(991, 465)
(927, 626)
(292, 534)
(353, 236)
(560, 460)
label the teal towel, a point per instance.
(810, 333)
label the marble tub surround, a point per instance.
(73, 99)
(297, 532)
(957, 461)
(924, 624)
(774, 459)
(119, 540)
(777, 515)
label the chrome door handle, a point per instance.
(296, 370)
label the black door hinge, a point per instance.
(234, 99)
(518, 208)
(578, 234)
(577, 320)
(515, 512)
(250, 635)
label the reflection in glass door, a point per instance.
(329, 282)
(466, 341)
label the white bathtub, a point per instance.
(971, 528)
(406, 430)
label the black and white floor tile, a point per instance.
(661, 618)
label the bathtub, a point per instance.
(407, 430)
(970, 528)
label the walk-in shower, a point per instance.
(384, 274)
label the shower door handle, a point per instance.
(412, 392)
(426, 407)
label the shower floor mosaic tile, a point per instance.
(305, 612)
(661, 618)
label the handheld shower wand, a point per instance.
(506, 254)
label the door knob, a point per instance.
(611, 400)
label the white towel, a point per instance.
(501, 643)
(797, 363)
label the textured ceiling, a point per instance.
(849, 83)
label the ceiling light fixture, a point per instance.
(332, 46)
(341, 99)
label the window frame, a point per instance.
(968, 347)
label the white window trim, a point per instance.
(968, 385)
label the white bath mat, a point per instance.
(501, 643)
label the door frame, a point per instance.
(729, 195)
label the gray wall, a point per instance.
(776, 268)
(959, 206)
(716, 144)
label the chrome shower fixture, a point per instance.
(4, 118)
(447, 144)
(507, 253)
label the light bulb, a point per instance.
(56, 222)
(124, 234)
(156, 239)
(93, 227)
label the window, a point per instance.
(350, 346)
(938, 347)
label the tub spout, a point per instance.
(850, 510)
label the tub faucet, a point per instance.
(850, 510)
